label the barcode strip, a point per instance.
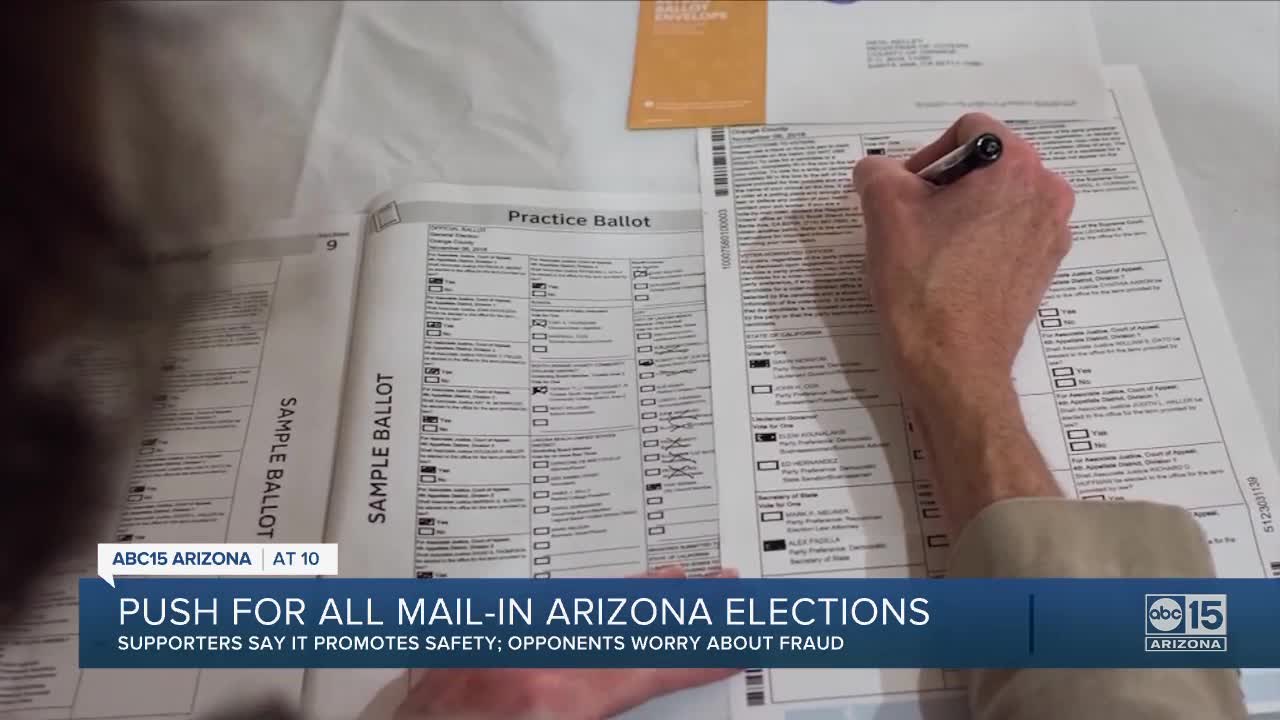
(719, 163)
(1275, 569)
(755, 686)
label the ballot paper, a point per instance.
(238, 447)
(516, 382)
(528, 396)
(1128, 378)
(733, 62)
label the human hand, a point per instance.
(956, 274)
(528, 694)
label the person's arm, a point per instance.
(1013, 523)
(957, 274)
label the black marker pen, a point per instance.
(978, 152)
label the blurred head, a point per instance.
(93, 150)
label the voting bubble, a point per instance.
(215, 559)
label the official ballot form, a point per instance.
(519, 384)
(528, 396)
(1128, 377)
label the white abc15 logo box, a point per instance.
(1186, 622)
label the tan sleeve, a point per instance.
(1047, 537)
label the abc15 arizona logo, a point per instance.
(1186, 623)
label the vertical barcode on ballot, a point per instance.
(755, 686)
(719, 163)
(1275, 569)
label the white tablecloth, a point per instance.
(323, 105)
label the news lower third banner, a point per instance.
(350, 623)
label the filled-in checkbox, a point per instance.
(539, 348)
(540, 422)
(641, 297)
(1051, 323)
(1077, 434)
(542, 560)
(540, 463)
(1081, 446)
(652, 458)
(541, 510)
(659, 530)
(642, 286)
(539, 336)
(542, 531)
(433, 333)
(761, 389)
(1064, 382)
(656, 515)
(541, 478)
(424, 531)
(1093, 497)
(655, 500)
(771, 516)
(539, 293)
(432, 379)
(648, 401)
(917, 454)
(767, 465)
(646, 376)
(650, 472)
(542, 545)
(650, 443)
(649, 416)
(640, 273)
(1048, 312)
(643, 335)
(936, 541)
(1063, 372)
(645, 348)
(541, 494)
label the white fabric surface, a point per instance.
(321, 105)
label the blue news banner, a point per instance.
(348, 623)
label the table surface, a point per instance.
(367, 96)
(319, 106)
